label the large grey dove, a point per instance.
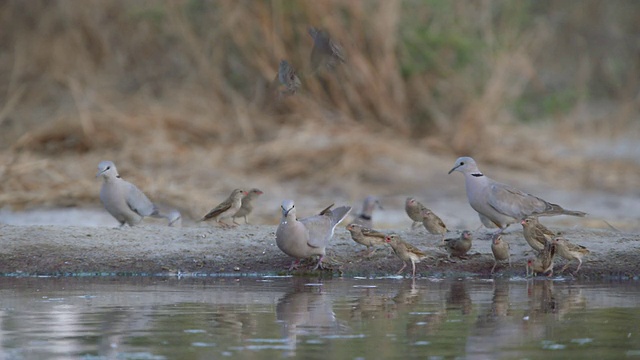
(309, 236)
(123, 200)
(368, 206)
(247, 205)
(227, 208)
(499, 203)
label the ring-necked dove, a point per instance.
(406, 252)
(227, 208)
(309, 236)
(175, 218)
(500, 250)
(499, 203)
(288, 78)
(535, 233)
(247, 205)
(368, 206)
(325, 51)
(543, 262)
(123, 200)
(367, 237)
(459, 246)
(414, 209)
(569, 251)
(433, 223)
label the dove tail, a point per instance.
(339, 213)
(574, 213)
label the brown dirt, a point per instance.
(250, 249)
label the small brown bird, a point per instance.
(325, 51)
(414, 209)
(459, 247)
(500, 249)
(535, 233)
(405, 251)
(433, 223)
(366, 237)
(227, 208)
(543, 262)
(368, 206)
(247, 205)
(288, 78)
(569, 251)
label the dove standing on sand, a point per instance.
(543, 262)
(535, 233)
(500, 250)
(309, 236)
(123, 200)
(406, 252)
(459, 246)
(499, 203)
(414, 209)
(227, 208)
(365, 236)
(247, 205)
(325, 51)
(433, 223)
(368, 206)
(569, 251)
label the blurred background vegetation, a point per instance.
(179, 93)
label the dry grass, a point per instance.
(184, 90)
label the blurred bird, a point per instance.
(288, 78)
(325, 51)
(543, 262)
(414, 209)
(502, 204)
(459, 247)
(406, 252)
(570, 251)
(246, 206)
(368, 206)
(175, 219)
(366, 237)
(309, 236)
(227, 208)
(433, 223)
(500, 250)
(535, 233)
(123, 200)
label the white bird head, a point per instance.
(288, 208)
(465, 165)
(107, 169)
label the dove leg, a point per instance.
(294, 264)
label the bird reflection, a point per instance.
(306, 311)
(458, 297)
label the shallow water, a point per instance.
(274, 317)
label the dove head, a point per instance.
(465, 165)
(370, 203)
(288, 208)
(107, 169)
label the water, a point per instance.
(266, 318)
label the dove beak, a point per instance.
(454, 169)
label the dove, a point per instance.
(459, 246)
(287, 76)
(500, 203)
(227, 208)
(500, 250)
(368, 206)
(405, 251)
(123, 200)
(569, 251)
(543, 262)
(247, 205)
(309, 236)
(175, 218)
(365, 236)
(535, 233)
(414, 209)
(433, 223)
(325, 51)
